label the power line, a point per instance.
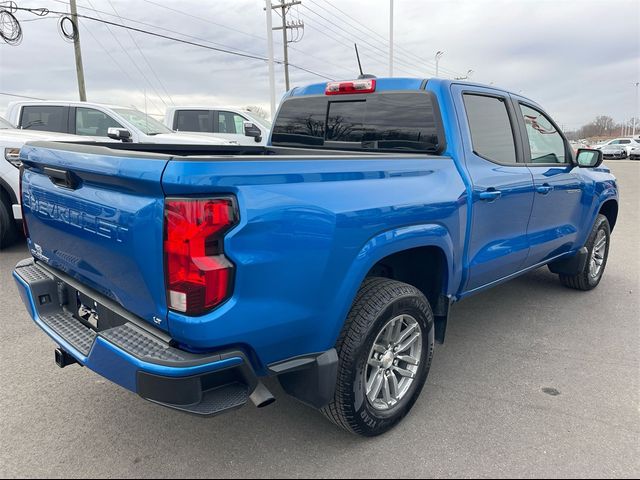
(350, 39)
(143, 56)
(376, 34)
(117, 64)
(349, 46)
(20, 96)
(348, 35)
(135, 64)
(188, 42)
(182, 12)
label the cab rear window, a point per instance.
(402, 121)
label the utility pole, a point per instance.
(635, 115)
(391, 38)
(285, 6)
(272, 79)
(76, 45)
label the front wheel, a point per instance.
(598, 248)
(385, 351)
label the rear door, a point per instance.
(99, 218)
(557, 213)
(502, 185)
(193, 121)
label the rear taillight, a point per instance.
(25, 229)
(198, 275)
(355, 86)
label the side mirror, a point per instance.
(589, 158)
(250, 130)
(121, 134)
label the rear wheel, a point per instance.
(8, 228)
(385, 351)
(598, 248)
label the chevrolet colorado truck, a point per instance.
(328, 259)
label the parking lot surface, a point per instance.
(534, 380)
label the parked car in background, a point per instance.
(613, 151)
(230, 123)
(11, 141)
(100, 122)
(626, 143)
(634, 154)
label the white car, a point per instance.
(626, 143)
(233, 124)
(11, 141)
(100, 122)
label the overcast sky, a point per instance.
(578, 58)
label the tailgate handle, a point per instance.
(62, 178)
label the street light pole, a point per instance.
(438, 55)
(635, 115)
(391, 38)
(272, 80)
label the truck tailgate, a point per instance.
(99, 218)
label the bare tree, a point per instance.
(258, 111)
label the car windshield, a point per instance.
(4, 124)
(263, 122)
(148, 125)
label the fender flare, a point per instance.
(387, 243)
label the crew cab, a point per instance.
(11, 140)
(328, 259)
(99, 122)
(234, 124)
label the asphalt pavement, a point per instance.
(534, 380)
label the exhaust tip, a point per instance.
(261, 396)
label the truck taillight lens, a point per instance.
(198, 275)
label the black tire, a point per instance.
(378, 301)
(8, 227)
(584, 280)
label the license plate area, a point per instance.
(86, 309)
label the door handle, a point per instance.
(490, 194)
(62, 178)
(544, 189)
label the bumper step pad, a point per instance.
(204, 392)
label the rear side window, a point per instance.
(45, 118)
(491, 132)
(387, 121)
(193, 121)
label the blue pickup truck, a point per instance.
(328, 259)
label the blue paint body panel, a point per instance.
(310, 229)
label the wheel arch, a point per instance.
(392, 254)
(609, 209)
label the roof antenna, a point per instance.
(362, 75)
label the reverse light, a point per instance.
(12, 155)
(198, 275)
(354, 86)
